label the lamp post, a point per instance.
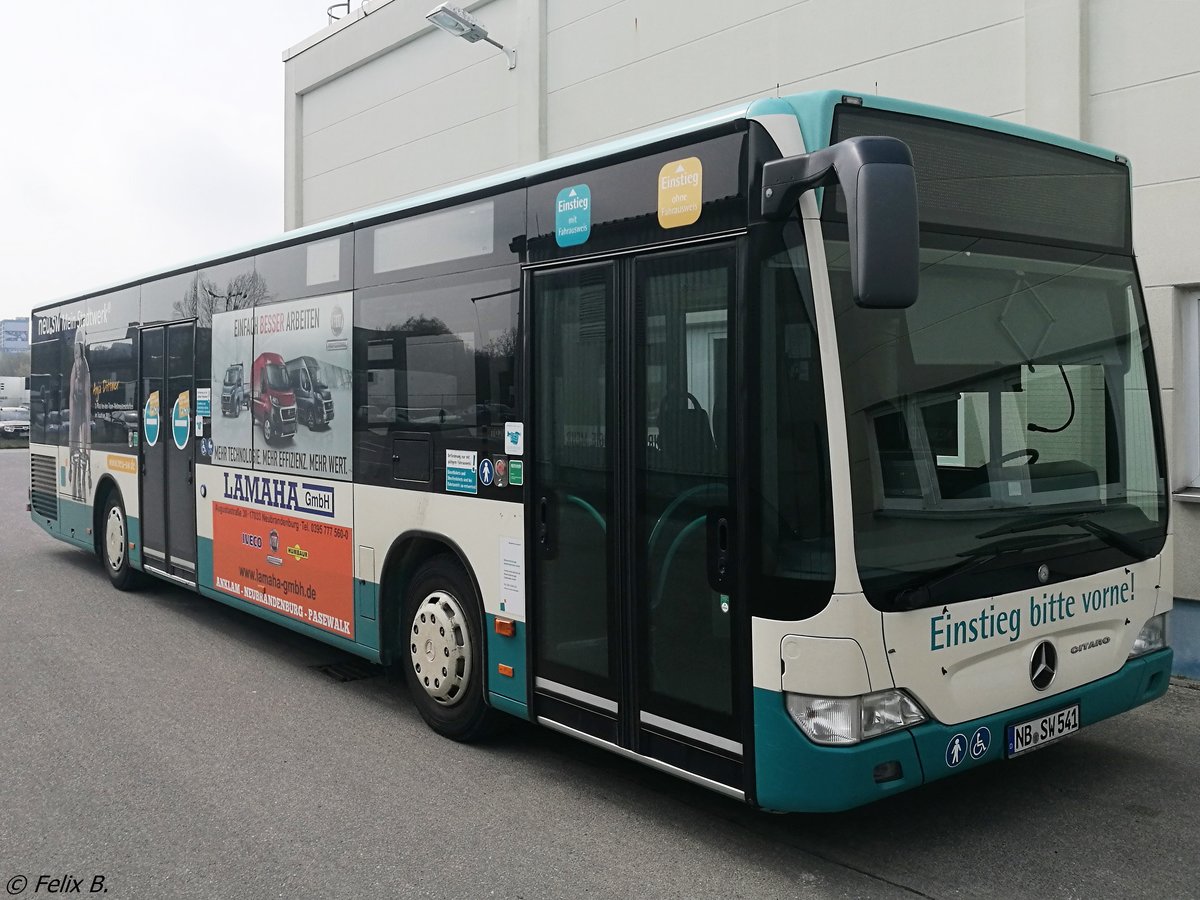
(461, 23)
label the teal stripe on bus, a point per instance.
(74, 521)
(795, 775)
(366, 613)
(133, 527)
(509, 694)
(205, 586)
(1138, 681)
(815, 113)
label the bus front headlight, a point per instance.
(1153, 636)
(840, 721)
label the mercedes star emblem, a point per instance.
(1043, 573)
(1043, 665)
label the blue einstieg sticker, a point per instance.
(573, 215)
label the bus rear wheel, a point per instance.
(114, 544)
(442, 655)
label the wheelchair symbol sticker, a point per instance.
(981, 740)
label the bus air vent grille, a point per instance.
(43, 491)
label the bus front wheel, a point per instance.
(114, 545)
(442, 655)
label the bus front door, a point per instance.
(632, 506)
(168, 501)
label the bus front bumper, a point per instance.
(795, 775)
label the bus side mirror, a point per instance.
(880, 189)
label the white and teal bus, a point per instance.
(809, 451)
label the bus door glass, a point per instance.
(168, 502)
(684, 500)
(632, 504)
(572, 497)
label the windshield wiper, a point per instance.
(920, 596)
(1075, 520)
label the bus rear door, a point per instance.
(168, 501)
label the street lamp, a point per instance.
(461, 23)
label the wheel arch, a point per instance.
(408, 552)
(105, 486)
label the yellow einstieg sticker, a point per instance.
(680, 186)
(122, 463)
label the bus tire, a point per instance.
(442, 654)
(114, 544)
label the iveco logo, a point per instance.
(1043, 665)
(1043, 573)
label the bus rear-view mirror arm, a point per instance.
(880, 187)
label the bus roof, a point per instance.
(813, 110)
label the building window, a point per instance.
(1186, 439)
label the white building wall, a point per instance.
(400, 109)
(668, 59)
(1143, 92)
(381, 106)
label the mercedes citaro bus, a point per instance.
(809, 451)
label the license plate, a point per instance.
(1036, 733)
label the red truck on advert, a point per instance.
(274, 397)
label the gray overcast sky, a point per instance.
(137, 135)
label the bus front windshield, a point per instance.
(1004, 422)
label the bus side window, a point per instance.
(113, 365)
(438, 355)
(44, 363)
(791, 560)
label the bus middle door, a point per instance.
(167, 470)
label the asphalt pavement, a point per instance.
(180, 748)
